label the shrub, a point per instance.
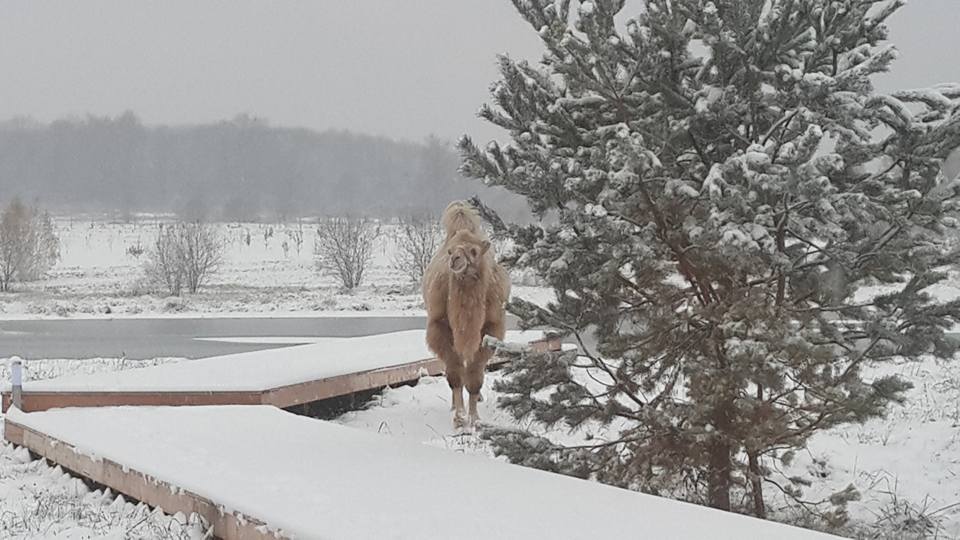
(29, 246)
(417, 238)
(184, 255)
(344, 247)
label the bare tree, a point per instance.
(296, 235)
(344, 247)
(184, 255)
(417, 239)
(162, 263)
(204, 253)
(28, 244)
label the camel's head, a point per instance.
(465, 252)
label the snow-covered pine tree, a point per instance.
(726, 182)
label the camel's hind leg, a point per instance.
(440, 341)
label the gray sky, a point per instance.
(401, 68)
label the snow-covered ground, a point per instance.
(39, 370)
(97, 276)
(906, 466)
(39, 501)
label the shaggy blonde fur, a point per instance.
(465, 292)
(461, 216)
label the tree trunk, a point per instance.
(720, 464)
(756, 483)
(718, 476)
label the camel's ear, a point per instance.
(484, 246)
(449, 251)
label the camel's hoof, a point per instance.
(459, 422)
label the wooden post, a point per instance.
(16, 380)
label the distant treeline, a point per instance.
(234, 170)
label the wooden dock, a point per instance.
(257, 472)
(282, 377)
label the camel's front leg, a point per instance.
(455, 380)
(474, 382)
(440, 341)
(459, 419)
(473, 417)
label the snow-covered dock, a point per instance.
(259, 472)
(283, 377)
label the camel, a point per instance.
(465, 292)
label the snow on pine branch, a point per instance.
(504, 347)
(515, 350)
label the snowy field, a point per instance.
(39, 501)
(97, 276)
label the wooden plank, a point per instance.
(341, 385)
(139, 486)
(42, 401)
(283, 396)
(549, 344)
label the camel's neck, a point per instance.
(469, 288)
(466, 311)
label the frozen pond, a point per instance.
(176, 337)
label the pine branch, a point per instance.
(489, 215)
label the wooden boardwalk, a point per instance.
(281, 377)
(257, 472)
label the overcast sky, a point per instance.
(401, 68)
